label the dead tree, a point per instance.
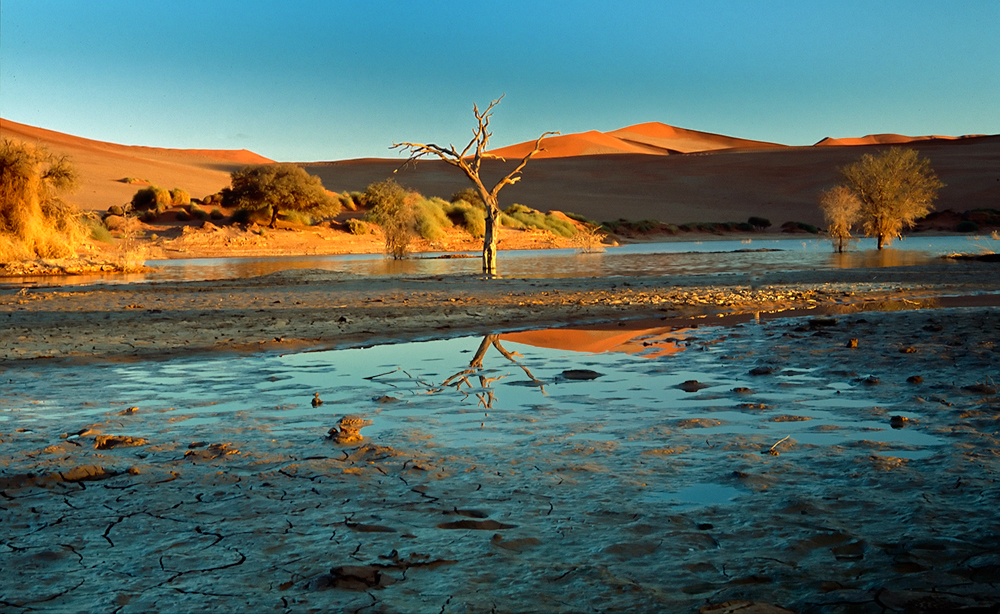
(469, 161)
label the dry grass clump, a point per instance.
(34, 221)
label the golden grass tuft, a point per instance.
(34, 221)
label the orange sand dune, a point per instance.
(782, 184)
(102, 165)
(886, 139)
(681, 140)
(650, 138)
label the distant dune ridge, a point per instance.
(102, 165)
(645, 171)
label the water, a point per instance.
(674, 258)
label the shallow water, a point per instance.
(673, 258)
(618, 492)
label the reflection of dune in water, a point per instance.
(647, 343)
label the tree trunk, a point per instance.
(490, 240)
(274, 217)
(881, 241)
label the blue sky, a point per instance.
(310, 80)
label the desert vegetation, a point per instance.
(894, 188)
(840, 211)
(34, 220)
(276, 188)
(469, 161)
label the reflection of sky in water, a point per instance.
(633, 396)
(675, 258)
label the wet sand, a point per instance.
(565, 506)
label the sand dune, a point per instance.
(887, 139)
(102, 166)
(605, 176)
(651, 138)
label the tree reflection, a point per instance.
(486, 396)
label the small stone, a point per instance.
(871, 380)
(852, 343)
(580, 374)
(762, 371)
(898, 422)
(915, 379)
(907, 350)
(108, 442)
(742, 390)
(316, 401)
(692, 385)
(348, 430)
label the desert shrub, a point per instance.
(841, 208)
(809, 228)
(431, 219)
(359, 227)
(132, 180)
(347, 202)
(96, 229)
(967, 226)
(149, 215)
(153, 197)
(393, 209)
(280, 188)
(179, 197)
(183, 216)
(543, 221)
(216, 214)
(34, 221)
(759, 223)
(116, 210)
(469, 195)
(510, 222)
(297, 217)
(468, 217)
(198, 212)
(745, 227)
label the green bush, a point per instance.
(359, 227)
(297, 217)
(759, 222)
(183, 216)
(216, 214)
(967, 226)
(468, 217)
(543, 221)
(153, 197)
(149, 215)
(469, 195)
(198, 212)
(179, 197)
(97, 230)
(745, 227)
(431, 218)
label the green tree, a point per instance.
(840, 208)
(34, 220)
(392, 209)
(895, 188)
(280, 187)
(469, 161)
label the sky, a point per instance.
(311, 80)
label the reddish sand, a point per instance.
(102, 166)
(646, 171)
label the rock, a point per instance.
(742, 390)
(692, 385)
(871, 380)
(907, 350)
(580, 374)
(348, 430)
(115, 222)
(316, 402)
(898, 422)
(981, 388)
(762, 371)
(107, 442)
(915, 379)
(382, 400)
(852, 343)
(86, 473)
(214, 450)
(117, 210)
(476, 525)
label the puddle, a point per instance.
(576, 441)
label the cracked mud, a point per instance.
(799, 474)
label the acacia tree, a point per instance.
(895, 188)
(840, 208)
(280, 187)
(469, 160)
